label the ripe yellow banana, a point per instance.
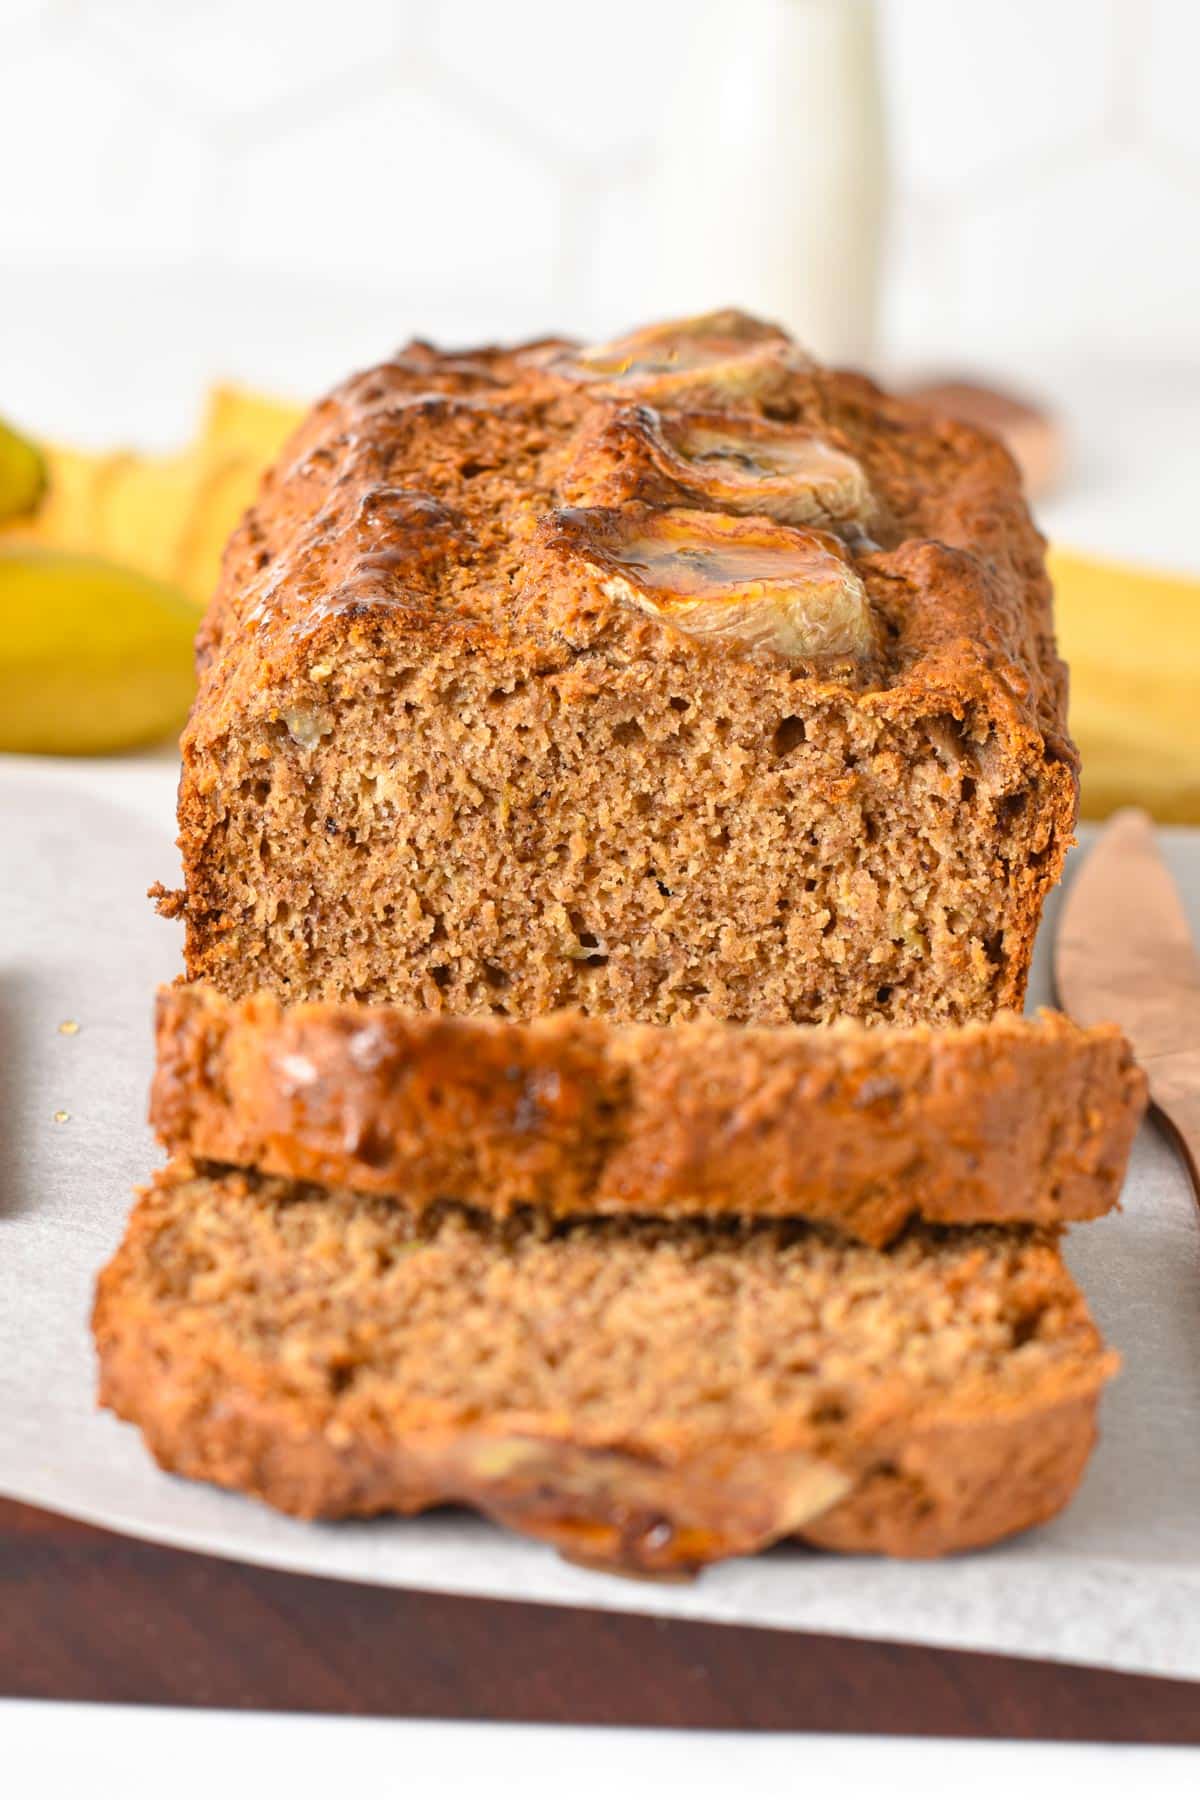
(104, 563)
(92, 658)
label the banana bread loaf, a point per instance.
(1018, 1119)
(648, 1397)
(670, 678)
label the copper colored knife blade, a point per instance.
(1123, 951)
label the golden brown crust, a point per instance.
(402, 635)
(381, 487)
(965, 1484)
(304, 1348)
(1016, 1121)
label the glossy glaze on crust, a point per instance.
(1016, 1121)
(646, 1397)
(962, 580)
(438, 757)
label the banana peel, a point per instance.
(238, 419)
(105, 562)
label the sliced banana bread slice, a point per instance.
(1025, 1120)
(648, 1397)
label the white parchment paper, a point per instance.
(1115, 1581)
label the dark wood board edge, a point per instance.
(91, 1616)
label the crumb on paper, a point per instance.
(61, 1117)
(68, 1027)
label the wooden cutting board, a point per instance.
(87, 1615)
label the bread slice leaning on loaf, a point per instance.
(648, 1397)
(1018, 1120)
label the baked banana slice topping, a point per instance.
(729, 462)
(753, 466)
(743, 583)
(726, 352)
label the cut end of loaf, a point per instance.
(652, 842)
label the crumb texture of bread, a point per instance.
(463, 743)
(647, 1396)
(1016, 1120)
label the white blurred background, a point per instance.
(278, 190)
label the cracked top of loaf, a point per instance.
(698, 489)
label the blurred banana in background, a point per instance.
(106, 561)
(22, 475)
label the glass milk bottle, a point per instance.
(770, 174)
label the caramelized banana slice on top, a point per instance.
(752, 466)
(726, 352)
(743, 583)
(733, 462)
